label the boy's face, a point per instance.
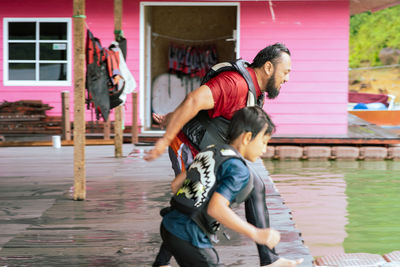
(257, 146)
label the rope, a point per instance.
(79, 16)
(185, 40)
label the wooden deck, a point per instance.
(360, 259)
(118, 223)
(360, 132)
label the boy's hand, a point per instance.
(159, 148)
(268, 237)
(160, 119)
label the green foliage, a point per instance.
(370, 32)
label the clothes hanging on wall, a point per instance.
(192, 61)
(130, 83)
(105, 81)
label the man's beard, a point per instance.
(272, 91)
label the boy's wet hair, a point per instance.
(250, 119)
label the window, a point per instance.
(37, 51)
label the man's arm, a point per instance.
(219, 209)
(199, 99)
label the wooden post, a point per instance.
(79, 100)
(66, 123)
(107, 129)
(118, 133)
(134, 119)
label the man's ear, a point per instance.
(269, 68)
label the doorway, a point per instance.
(170, 31)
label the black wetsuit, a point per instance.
(256, 213)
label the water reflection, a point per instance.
(374, 208)
(342, 206)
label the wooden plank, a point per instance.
(79, 100)
(134, 119)
(360, 132)
(118, 110)
(93, 142)
(360, 128)
(393, 256)
(305, 141)
(66, 123)
(107, 129)
(69, 231)
(351, 259)
(333, 141)
(118, 132)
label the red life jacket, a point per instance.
(102, 76)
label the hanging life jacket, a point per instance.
(104, 81)
(97, 77)
(193, 197)
(202, 131)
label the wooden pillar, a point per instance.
(79, 100)
(66, 123)
(107, 129)
(135, 138)
(118, 133)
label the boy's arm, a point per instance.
(219, 209)
(178, 182)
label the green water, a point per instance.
(353, 206)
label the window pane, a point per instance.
(22, 31)
(21, 71)
(21, 51)
(53, 72)
(53, 31)
(53, 51)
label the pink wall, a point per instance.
(100, 20)
(26, 9)
(312, 103)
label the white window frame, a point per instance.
(37, 61)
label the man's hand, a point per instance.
(157, 150)
(267, 236)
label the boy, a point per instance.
(218, 177)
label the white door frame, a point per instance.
(144, 88)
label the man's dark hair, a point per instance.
(249, 119)
(271, 53)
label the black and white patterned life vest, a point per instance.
(193, 197)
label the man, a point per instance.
(226, 93)
(221, 97)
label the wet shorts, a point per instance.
(180, 155)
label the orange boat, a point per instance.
(379, 117)
(386, 118)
